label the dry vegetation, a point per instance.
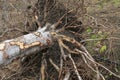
(92, 32)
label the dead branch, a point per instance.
(24, 45)
(54, 65)
(67, 76)
(76, 71)
(42, 38)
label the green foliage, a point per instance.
(116, 2)
(103, 3)
(96, 40)
(103, 48)
(89, 30)
(94, 36)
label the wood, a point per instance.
(24, 45)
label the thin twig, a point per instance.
(59, 21)
(42, 69)
(8, 30)
(54, 65)
(96, 71)
(61, 67)
(61, 49)
(67, 75)
(99, 64)
(75, 68)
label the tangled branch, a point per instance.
(42, 38)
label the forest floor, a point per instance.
(107, 14)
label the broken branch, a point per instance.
(24, 45)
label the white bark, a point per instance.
(24, 45)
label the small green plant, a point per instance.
(89, 30)
(96, 40)
(103, 48)
(116, 2)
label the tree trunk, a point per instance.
(24, 45)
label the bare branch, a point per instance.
(67, 76)
(24, 45)
(54, 65)
(76, 71)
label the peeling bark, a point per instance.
(24, 45)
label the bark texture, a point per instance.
(24, 45)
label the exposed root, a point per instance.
(54, 65)
(75, 68)
(87, 58)
(43, 69)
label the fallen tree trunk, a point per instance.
(24, 45)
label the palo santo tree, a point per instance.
(24, 45)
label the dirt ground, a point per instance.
(13, 14)
(107, 13)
